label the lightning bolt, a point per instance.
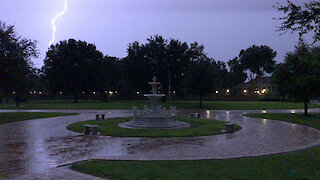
(53, 21)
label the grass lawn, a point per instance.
(212, 105)
(296, 165)
(109, 127)
(22, 116)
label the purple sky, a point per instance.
(223, 26)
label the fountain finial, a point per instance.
(154, 79)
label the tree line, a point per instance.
(75, 67)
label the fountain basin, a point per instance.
(154, 122)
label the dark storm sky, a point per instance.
(223, 26)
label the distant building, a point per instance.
(258, 86)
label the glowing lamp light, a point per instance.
(228, 90)
(264, 112)
(39, 92)
(263, 91)
(174, 92)
(94, 92)
(60, 92)
(13, 92)
(217, 92)
(245, 91)
(110, 92)
(138, 92)
(293, 112)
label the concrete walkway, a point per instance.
(34, 149)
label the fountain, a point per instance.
(157, 117)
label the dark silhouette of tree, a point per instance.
(137, 67)
(257, 60)
(201, 78)
(15, 63)
(108, 75)
(236, 74)
(72, 66)
(299, 76)
(165, 59)
(302, 19)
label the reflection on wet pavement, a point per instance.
(37, 146)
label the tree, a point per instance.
(302, 19)
(257, 60)
(165, 59)
(299, 76)
(15, 62)
(236, 74)
(108, 75)
(201, 78)
(72, 66)
(137, 67)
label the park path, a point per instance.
(35, 149)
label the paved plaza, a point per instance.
(42, 147)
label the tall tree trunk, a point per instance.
(200, 100)
(306, 108)
(106, 95)
(17, 101)
(75, 97)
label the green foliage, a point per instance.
(15, 62)
(109, 127)
(236, 74)
(257, 60)
(165, 59)
(302, 19)
(299, 76)
(201, 78)
(22, 116)
(71, 66)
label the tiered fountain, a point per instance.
(156, 117)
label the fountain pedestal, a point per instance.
(156, 117)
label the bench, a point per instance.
(100, 116)
(195, 115)
(229, 127)
(91, 128)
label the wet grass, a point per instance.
(211, 105)
(22, 116)
(109, 127)
(295, 165)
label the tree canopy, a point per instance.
(302, 19)
(201, 78)
(257, 60)
(72, 66)
(299, 76)
(15, 61)
(163, 58)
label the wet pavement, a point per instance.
(34, 149)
